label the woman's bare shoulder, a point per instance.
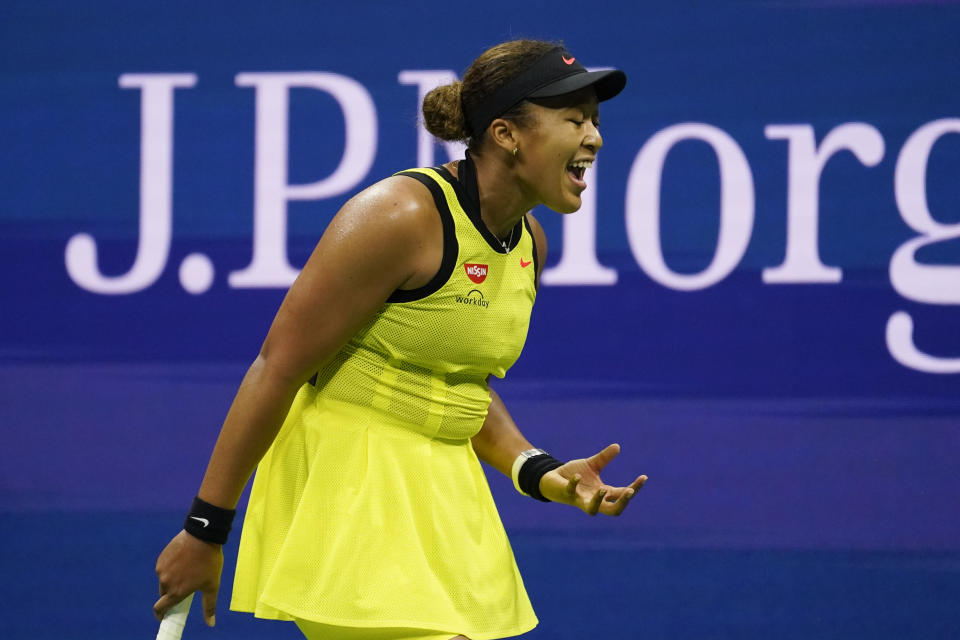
(390, 231)
(397, 202)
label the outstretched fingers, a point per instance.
(618, 499)
(570, 491)
(593, 507)
(616, 506)
(600, 460)
(637, 484)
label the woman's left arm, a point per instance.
(576, 482)
(499, 441)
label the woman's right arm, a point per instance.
(387, 237)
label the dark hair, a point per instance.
(444, 108)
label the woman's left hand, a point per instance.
(578, 483)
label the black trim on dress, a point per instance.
(451, 248)
(465, 186)
(536, 257)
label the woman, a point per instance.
(368, 406)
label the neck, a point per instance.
(503, 201)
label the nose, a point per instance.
(593, 140)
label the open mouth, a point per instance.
(577, 169)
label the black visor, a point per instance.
(556, 73)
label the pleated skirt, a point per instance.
(358, 521)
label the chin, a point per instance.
(566, 203)
(568, 206)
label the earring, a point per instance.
(515, 150)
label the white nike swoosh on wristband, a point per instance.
(202, 521)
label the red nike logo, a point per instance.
(567, 60)
(525, 264)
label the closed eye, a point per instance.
(579, 123)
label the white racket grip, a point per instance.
(171, 627)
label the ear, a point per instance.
(503, 134)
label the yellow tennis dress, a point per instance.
(371, 509)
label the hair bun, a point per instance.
(445, 108)
(443, 112)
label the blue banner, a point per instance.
(763, 284)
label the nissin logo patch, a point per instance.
(476, 272)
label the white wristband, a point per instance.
(518, 464)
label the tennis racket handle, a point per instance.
(171, 627)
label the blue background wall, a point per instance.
(803, 480)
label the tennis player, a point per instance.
(368, 406)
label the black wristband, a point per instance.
(209, 523)
(531, 472)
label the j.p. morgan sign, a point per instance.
(936, 284)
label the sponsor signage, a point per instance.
(476, 272)
(805, 159)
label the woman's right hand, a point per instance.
(186, 565)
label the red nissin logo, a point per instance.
(476, 272)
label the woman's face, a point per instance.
(558, 148)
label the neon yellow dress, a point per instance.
(371, 509)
